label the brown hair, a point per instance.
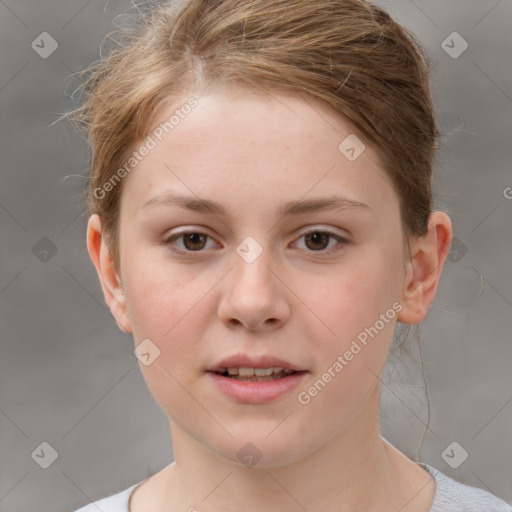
(348, 54)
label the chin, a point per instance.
(255, 450)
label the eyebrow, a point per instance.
(332, 203)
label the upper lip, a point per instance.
(245, 361)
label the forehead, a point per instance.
(239, 146)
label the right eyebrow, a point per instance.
(189, 203)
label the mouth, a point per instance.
(255, 379)
(256, 374)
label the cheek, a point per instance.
(172, 306)
(352, 296)
(349, 362)
(356, 317)
(168, 307)
(163, 298)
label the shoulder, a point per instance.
(114, 503)
(452, 496)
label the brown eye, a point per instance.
(194, 241)
(191, 241)
(321, 241)
(317, 240)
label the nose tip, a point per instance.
(253, 297)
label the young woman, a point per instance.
(261, 218)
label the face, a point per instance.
(303, 286)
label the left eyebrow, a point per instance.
(332, 203)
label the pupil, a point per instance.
(323, 237)
(194, 237)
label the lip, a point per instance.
(256, 392)
(245, 361)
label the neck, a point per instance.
(355, 470)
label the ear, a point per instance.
(110, 281)
(428, 255)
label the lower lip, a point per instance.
(256, 392)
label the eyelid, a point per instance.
(328, 230)
(191, 229)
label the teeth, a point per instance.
(264, 372)
(258, 372)
(246, 372)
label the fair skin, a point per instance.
(298, 300)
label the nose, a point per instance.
(253, 296)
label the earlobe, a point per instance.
(111, 283)
(424, 269)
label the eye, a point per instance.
(193, 241)
(317, 240)
(196, 241)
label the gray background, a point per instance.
(68, 375)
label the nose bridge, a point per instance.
(251, 295)
(252, 264)
(253, 254)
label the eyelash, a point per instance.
(341, 241)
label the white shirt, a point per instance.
(450, 496)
